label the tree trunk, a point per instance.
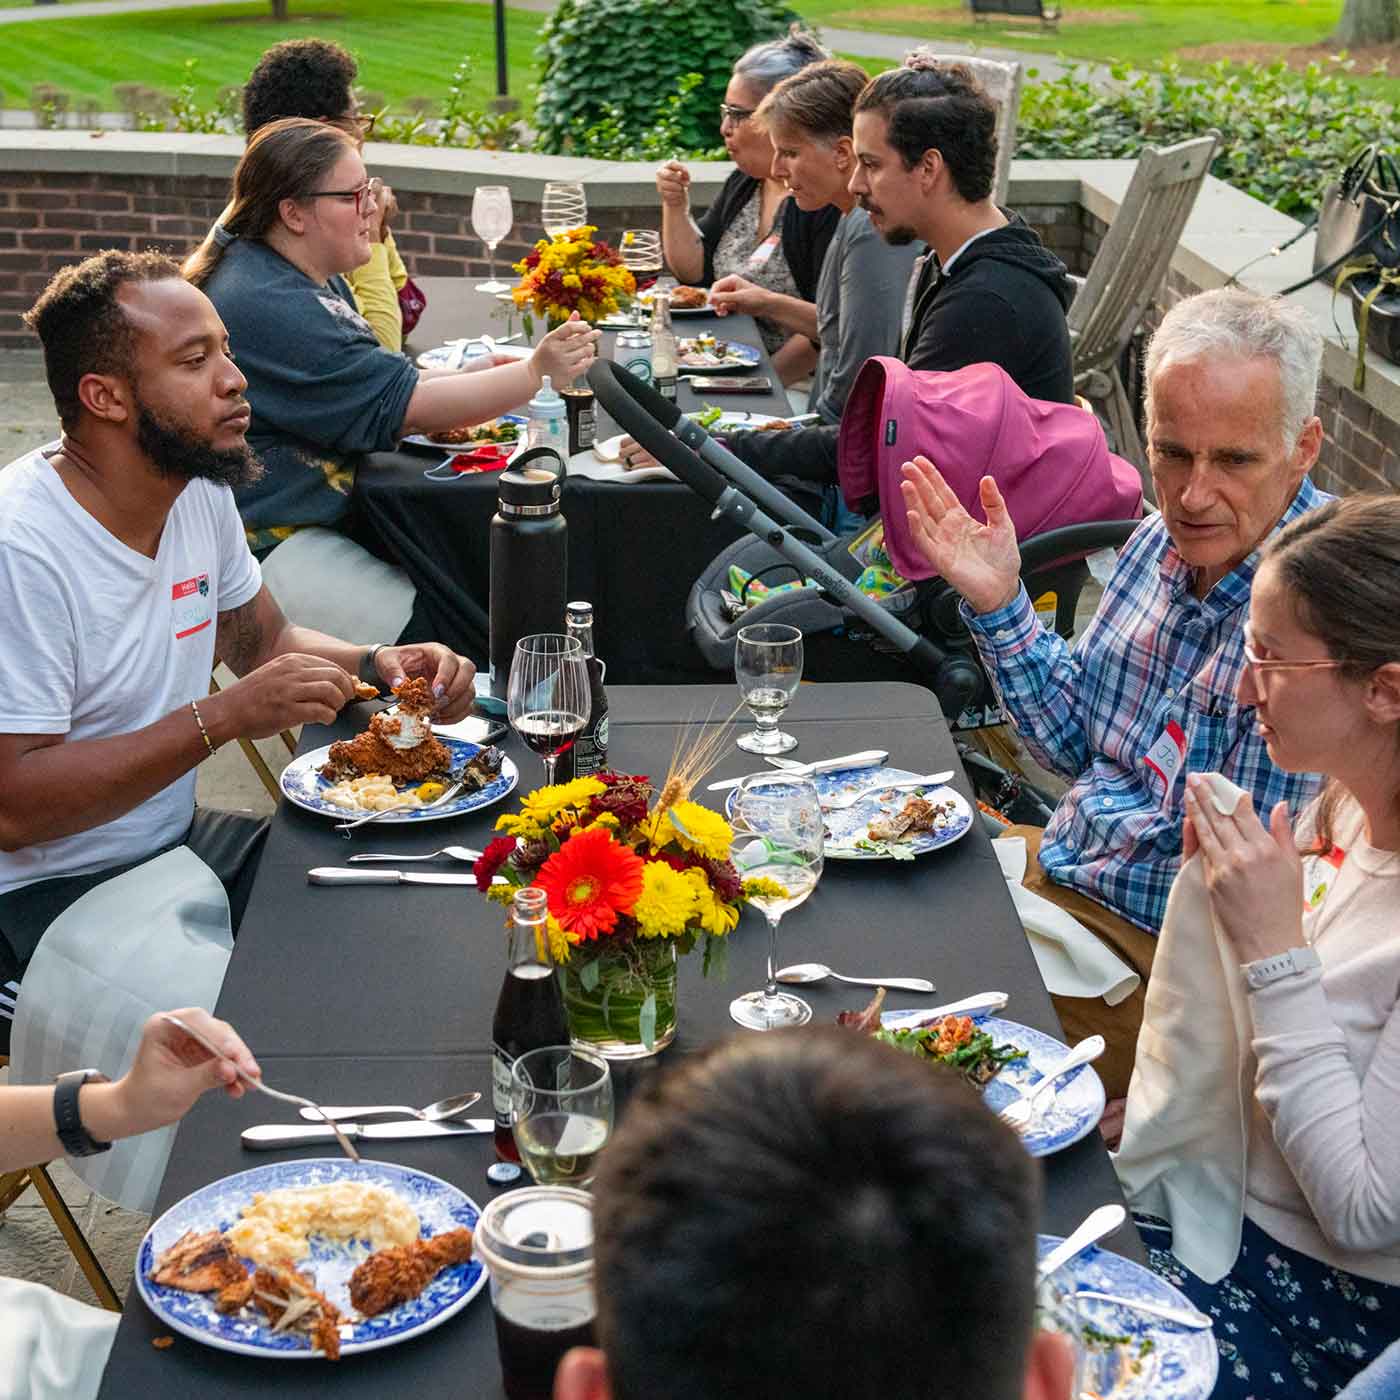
(1368, 22)
(279, 9)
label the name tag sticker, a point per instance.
(190, 610)
(765, 250)
(1166, 756)
(1328, 863)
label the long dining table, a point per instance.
(635, 548)
(385, 995)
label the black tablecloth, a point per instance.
(386, 994)
(634, 550)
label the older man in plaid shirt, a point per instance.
(1149, 692)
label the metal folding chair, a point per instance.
(1126, 274)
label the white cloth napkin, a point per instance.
(54, 1348)
(1073, 961)
(603, 462)
(154, 939)
(1186, 1132)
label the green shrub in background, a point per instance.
(610, 138)
(1284, 135)
(618, 61)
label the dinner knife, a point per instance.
(870, 758)
(267, 1137)
(339, 875)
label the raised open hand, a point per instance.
(982, 562)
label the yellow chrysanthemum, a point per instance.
(524, 828)
(761, 885)
(559, 941)
(545, 803)
(698, 829)
(711, 913)
(607, 819)
(666, 904)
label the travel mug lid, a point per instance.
(540, 1231)
(531, 484)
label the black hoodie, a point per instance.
(1004, 302)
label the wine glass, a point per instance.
(563, 206)
(561, 1111)
(548, 698)
(768, 667)
(778, 838)
(492, 219)
(641, 256)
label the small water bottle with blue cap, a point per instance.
(549, 420)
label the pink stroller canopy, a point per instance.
(1049, 459)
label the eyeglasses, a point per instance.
(370, 190)
(1257, 663)
(736, 115)
(359, 126)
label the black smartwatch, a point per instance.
(76, 1140)
(369, 672)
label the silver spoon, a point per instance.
(455, 852)
(1097, 1224)
(443, 1111)
(803, 973)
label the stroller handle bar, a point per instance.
(632, 402)
(648, 418)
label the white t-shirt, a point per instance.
(98, 640)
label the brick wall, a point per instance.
(48, 220)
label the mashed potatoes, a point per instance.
(277, 1224)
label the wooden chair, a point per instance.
(1003, 84)
(12, 1186)
(1126, 274)
(250, 752)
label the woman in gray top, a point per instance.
(860, 293)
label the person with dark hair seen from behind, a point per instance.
(323, 392)
(124, 572)
(814, 1214)
(753, 227)
(315, 79)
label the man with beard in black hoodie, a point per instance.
(988, 289)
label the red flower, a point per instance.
(626, 798)
(491, 860)
(590, 880)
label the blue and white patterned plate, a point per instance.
(846, 829)
(438, 1205)
(1160, 1361)
(737, 356)
(1076, 1106)
(303, 784)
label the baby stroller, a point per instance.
(1067, 495)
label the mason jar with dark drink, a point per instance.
(529, 1010)
(538, 1245)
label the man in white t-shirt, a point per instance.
(124, 572)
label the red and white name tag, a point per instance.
(765, 250)
(1330, 862)
(190, 609)
(1167, 755)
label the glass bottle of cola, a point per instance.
(529, 1010)
(590, 751)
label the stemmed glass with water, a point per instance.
(548, 697)
(768, 668)
(563, 206)
(778, 840)
(492, 219)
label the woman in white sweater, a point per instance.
(1314, 917)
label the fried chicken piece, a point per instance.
(866, 1020)
(368, 753)
(392, 1276)
(198, 1262)
(279, 1288)
(234, 1296)
(365, 692)
(416, 696)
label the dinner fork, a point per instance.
(1019, 1112)
(261, 1087)
(452, 791)
(839, 802)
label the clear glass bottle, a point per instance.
(529, 1010)
(663, 346)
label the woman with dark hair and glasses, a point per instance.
(323, 391)
(753, 228)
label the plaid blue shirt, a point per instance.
(1153, 653)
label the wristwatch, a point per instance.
(76, 1140)
(1293, 963)
(368, 672)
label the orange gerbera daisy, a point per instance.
(590, 880)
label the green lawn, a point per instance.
(404, 50)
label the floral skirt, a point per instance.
(1287, 1325)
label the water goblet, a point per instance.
(492, 219)
(768, 668)
(640, 251)
(563, 206)
(778, 839)
(561, 1109)
(547, 697)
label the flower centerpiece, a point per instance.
(570, 272)
(634, 877)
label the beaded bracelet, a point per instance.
(208, 742)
